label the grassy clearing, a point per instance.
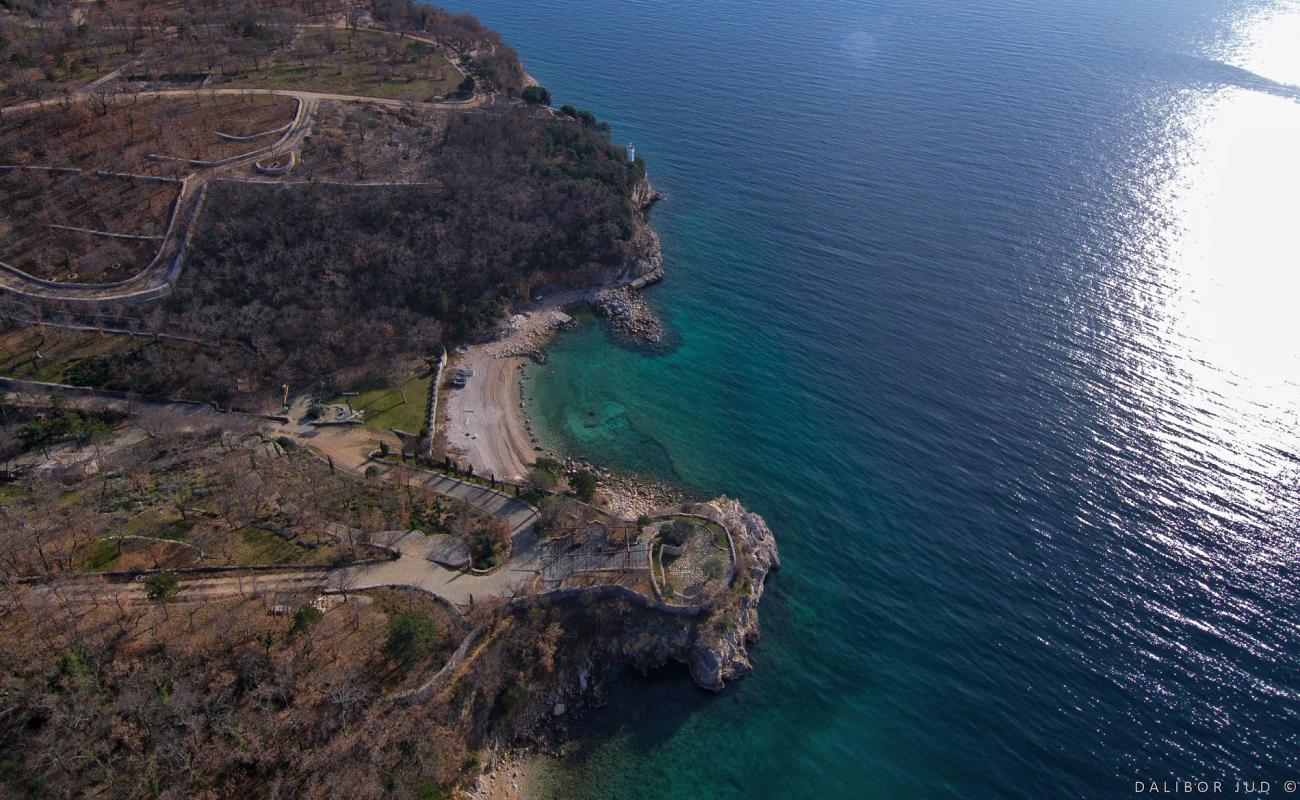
(383, 404)
(102, 555)
(260, 546)
(60, 351)
(369, 64)
(159, 524)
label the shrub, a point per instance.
(489, 543)
(539, 480)
(432, 791)
(303, 618)
(62, 424)
(74, 667)
(550, 466)
(714, 569)
(411, 637)
(92, 371)
(508, 699)
(161, 586)
(286, 444)
(676, 532)
(584, 485)
(643, 521)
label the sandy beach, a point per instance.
(483, 419)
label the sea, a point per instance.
(991, 308)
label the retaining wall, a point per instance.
(431, 417)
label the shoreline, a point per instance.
(512, 777)
(487, 421)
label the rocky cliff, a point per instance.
(721, 653)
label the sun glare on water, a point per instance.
(1229, 260)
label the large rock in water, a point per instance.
(448, 551)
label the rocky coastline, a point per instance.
(623, 308)
(712, 641)
(629, 495)
(628, 316)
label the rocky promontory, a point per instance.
(623, 628)
(628, 315)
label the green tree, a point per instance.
(536, 96)
(548, 465)
(540, 480)
(411, 637)
(466, 88)
(584, 485)
(677, 532)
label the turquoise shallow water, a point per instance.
(986, 307)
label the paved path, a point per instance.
(412, 566)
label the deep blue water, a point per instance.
(986, 306)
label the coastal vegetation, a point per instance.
(213, 581)
(316, 279)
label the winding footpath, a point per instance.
(163, 271)
(412, 565)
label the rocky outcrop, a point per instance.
(723, 654)
(711, 640)
(628, 495)
(644, 195)
(629, 315)
(628, 629)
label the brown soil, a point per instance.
(32, 201)
(119, 135)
